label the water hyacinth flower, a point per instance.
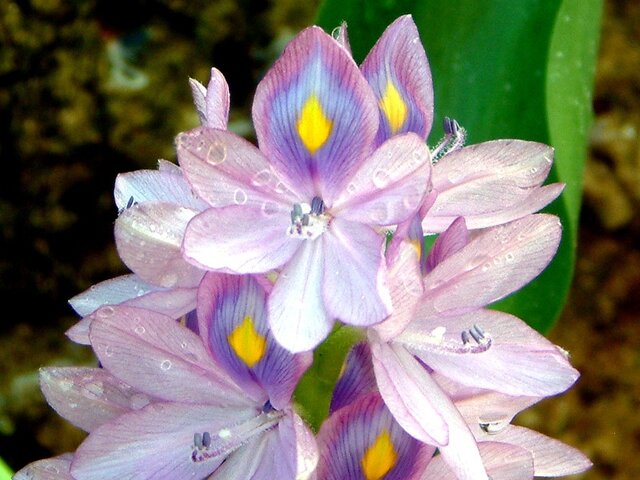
(312, 200)
(154, 208)
(220, 401)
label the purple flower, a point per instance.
(154, 208)
(220, 401)
(312, 200)
(56, 468)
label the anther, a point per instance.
(465, 337)
(317, 206)
(453, 139)
(197, 440)
(477, 334)
(267, 407)
(206, 439)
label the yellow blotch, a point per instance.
(393, 107)
(247, 343)
(417, 246)
(313, 125)
(379, 458)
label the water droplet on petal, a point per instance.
(269, 209)
(169, 280)
(454, 176)
(240, 196)
(52, 469)
(509, 257)
(486, 266)
(108, 351)
(105, 312)
(381, 178)
(216, 154)
(380, 213)
(165, 365)
(351, 188)
(152, 227)
(139, 330)
(493, 423)
(261, 178)
(138, 401)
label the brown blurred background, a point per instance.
(89, 89)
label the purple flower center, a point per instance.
(308, 221)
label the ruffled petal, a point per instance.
(160, 357)
(511, 358)
(166, 185)
(55, 468)
(494, 264)
(390, 185)
(356, 377)
(157, 443)
(362, 440)
(212, 103)
(398, 71)
(408, 392)
(315, 116)
(354, 284)
(494, 179)
(297, 315)
(88, 397)
(240, 239)
(225, 169)
(233, 322)
(149, 237)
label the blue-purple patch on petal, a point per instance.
(398, 71)
(356, 377)
(233, 320)
(315, 115)
(362, 440)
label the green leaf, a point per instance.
(5, 471)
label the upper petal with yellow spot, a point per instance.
(247, 343)
(313, 125)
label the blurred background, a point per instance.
(90, 89)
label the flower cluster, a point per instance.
(245, 257)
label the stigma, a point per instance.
(308, 222)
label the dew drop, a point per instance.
(381, 178)
(169, 280)
(269, 209)
(280, 187)
(454, 176)
(52, 469)
(139, 330)
(216, 154)
(108, 351)
(486, 266)
(105, 312)
(533, 170)
(493, 423)
(142, 243)
(380, 212)
(509, 257)
(152, 227)
(138, 400)
(351, 188)
(261, 178)
(239, 196)
(165, 365)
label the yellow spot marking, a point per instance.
(393, 107)
(379, 458)
(313, 126)
(247, 343)
(417, 246)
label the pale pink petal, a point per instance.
(296, 439)
(88, 397)
(225, 169)
(55, 468)
(149, 237)
(536, 200)
(353, 283)
(409, 394)
(551, 458)
(496, 263)
(131, 290)
(212, 103)
(405, 285)
(390, 185)
(240, 239)
(502, 462)
(165, 185)
(490, 183)
(512, 358)
(79, 333)
(160, 357)
(157, 443)
(296, 309)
